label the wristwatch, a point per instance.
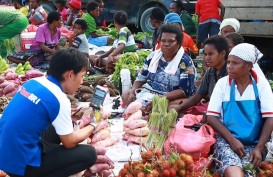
(94, 125)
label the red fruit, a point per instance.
(155, 173)
(123, 172)
(181, 173)
(129, 175)
(149, 175)
(166, 173)
(158, 153)
(175, 167)
(166, 165)
(180, 164)
(140, 174)
(127, 166)
(172, 172)
(263, 165)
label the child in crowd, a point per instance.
(209, 18)
(124, 42)
(101, 23)
(157, 19)
(38, 14)
(93, 11)
(74, 12)
(61, 8)
(20, 6)
(78, 39)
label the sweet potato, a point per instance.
(133, 124)
(100, 150)
(1, 79)
(12, 93)
(9, 88)
(135, 116)
(104, 173)
(126, 129)
(99, 167)
(144, 131)
(132, 108)
(33, 73)
(4, 84)
(125, 136)
(86, 96)
(103, 124)
(101, 135)
(86, 89)
(105, 159)
(106, 143)
(137, 139)
(11, 76)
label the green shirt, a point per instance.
(188, 23)
(8, 15)
(91, 24)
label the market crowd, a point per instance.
(233, 91)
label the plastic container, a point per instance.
(27, 39)
(107, 101)
(125, 78)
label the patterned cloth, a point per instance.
(225, 155)
(246, 52)
(183, 78)
(38, 16)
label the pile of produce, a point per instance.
(111, 31)
(3, 65)
(135, 128)
(22, 69)
(130, 60)
(84, 93)
(141, 35)
(103, 166)
(153, 164)
(4, 101)
(103, 81)
(266, 169)
(161, 122)
(9, 83)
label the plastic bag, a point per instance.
(188, 138)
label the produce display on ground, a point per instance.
(132, 61)
(110, 31)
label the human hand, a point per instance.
(131, 97)
(177, 108)
(98, 61)
(237, 147)
(256, 157)
(76, 114)
(147, 109)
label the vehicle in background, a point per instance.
(138, 10)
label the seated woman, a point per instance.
(48, 35)
(124, 42)
(187, 43)
(93, 11)
(215, 55)
(169, 71)
(241, 112)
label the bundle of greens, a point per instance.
(130, 60)
(141, 35)
(160, 123)
(112, 31)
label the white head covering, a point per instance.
(232, 22)
(247, 52)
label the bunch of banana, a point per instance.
(22, 69)
(3, 65)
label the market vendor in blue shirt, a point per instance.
(168, 71)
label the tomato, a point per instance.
(166, 173)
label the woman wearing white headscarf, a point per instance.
(241, 111)
(229, 25)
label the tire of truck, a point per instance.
(145, 23)
(49, 8)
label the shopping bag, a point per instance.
(190, 136)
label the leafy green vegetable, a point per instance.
(112, 31)
(130, 60)
(141, 35)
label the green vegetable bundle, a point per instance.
(130, 60)
(141, 35)
(112, 31)
(160, 123)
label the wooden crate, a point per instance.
(249, 11)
